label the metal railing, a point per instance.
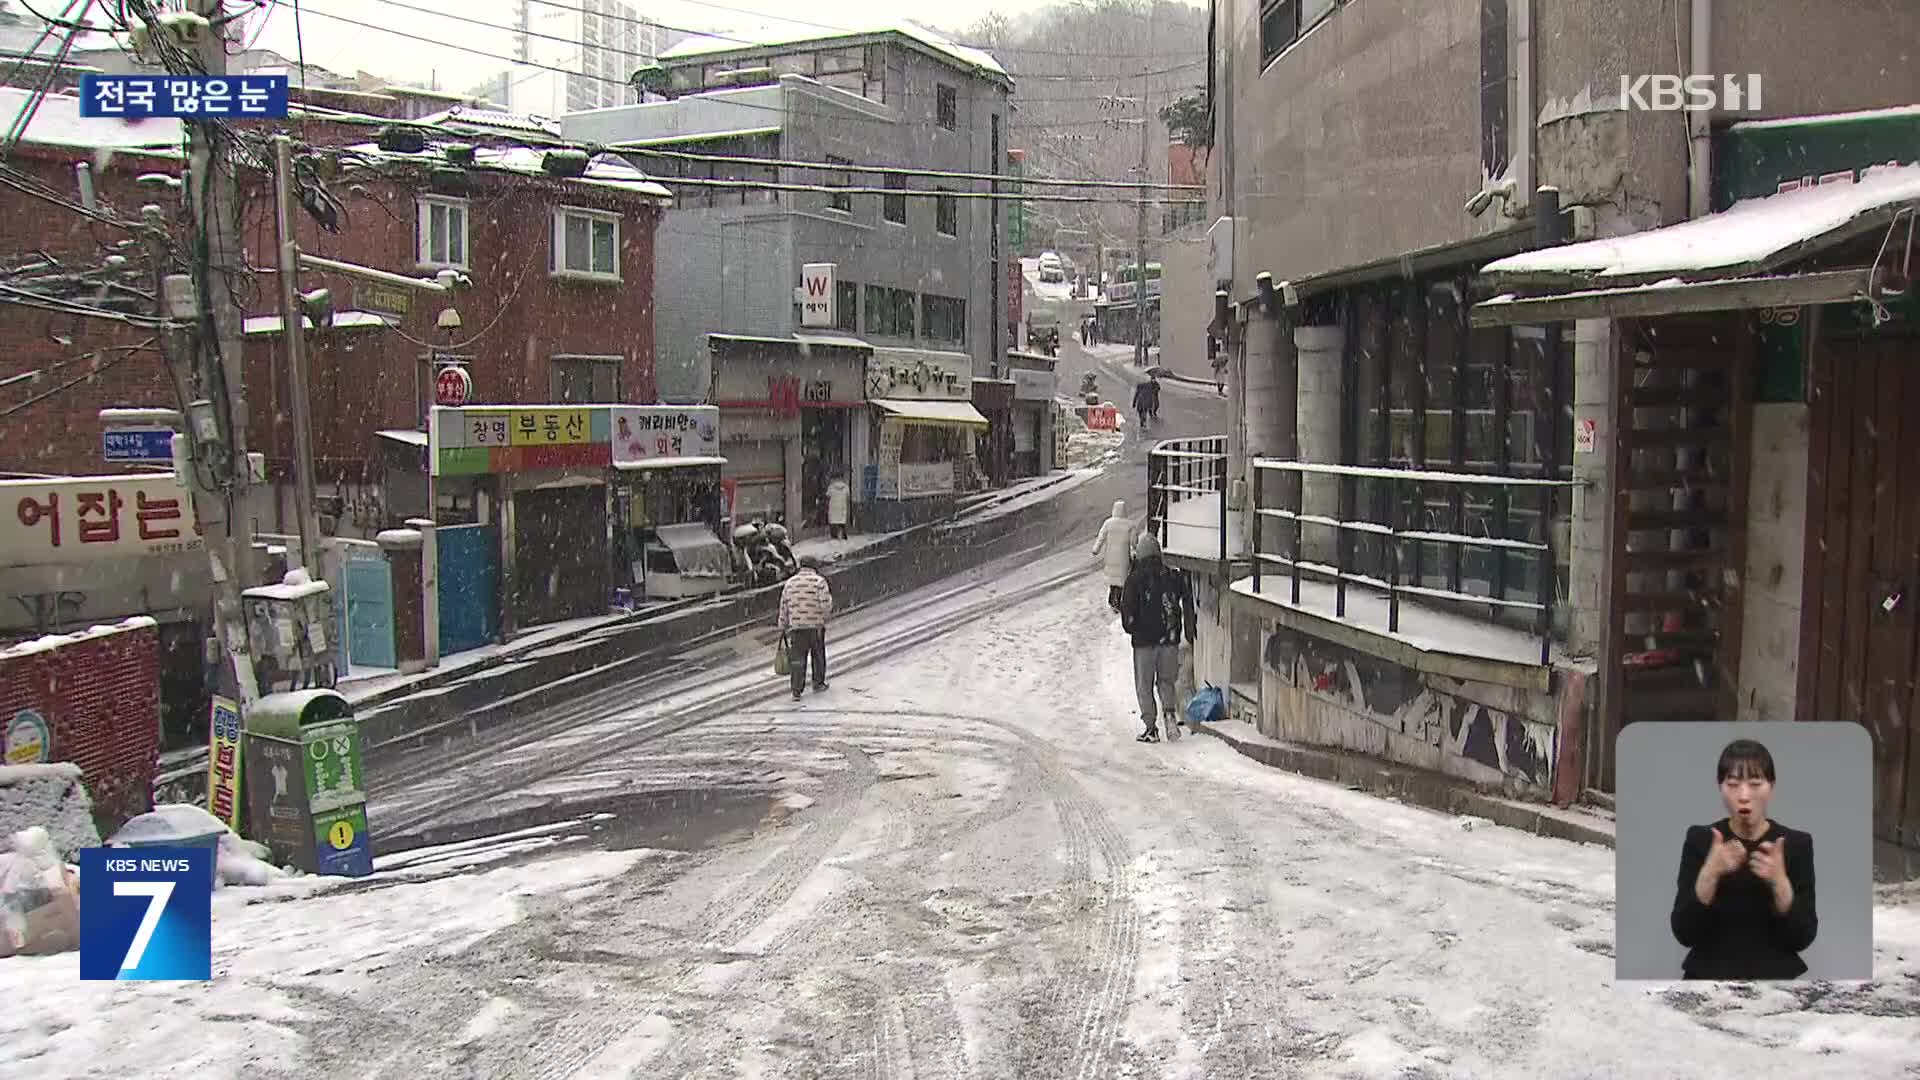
(1393, 537)
(1180, 470)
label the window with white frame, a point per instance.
(443, 233)
(586, 243)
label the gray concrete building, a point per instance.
(919, 270)
(1584, 467)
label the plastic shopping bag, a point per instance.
(39, 898)
(1209, 705)
(782, 664)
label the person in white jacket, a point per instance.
(839, 498)
(1114, 548)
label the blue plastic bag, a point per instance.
(1209, 705)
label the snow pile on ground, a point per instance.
(237, 861)
(51, 797)
(1087, 448)
(275, 950)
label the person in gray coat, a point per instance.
(1156, 608)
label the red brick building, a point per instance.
(560, 308)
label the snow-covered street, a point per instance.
(956, 862)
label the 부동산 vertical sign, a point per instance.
(223, 763)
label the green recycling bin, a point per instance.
(306, 793)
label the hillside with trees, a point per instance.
(1069, 61)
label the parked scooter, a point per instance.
(754, 559)
(776, 535)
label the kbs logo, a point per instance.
(146, 913)
(1672, 93)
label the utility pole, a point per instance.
(219, 470)
(292, 328)
(1140, 237)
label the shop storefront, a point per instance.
(562, 542)
(923, 426)
(1035, 384)
(669, 511)
(993, 446)
(788, 408)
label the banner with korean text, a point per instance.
(87, 518)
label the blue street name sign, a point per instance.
(138, 444)
(186, 97)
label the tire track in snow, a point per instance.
(588, 1032)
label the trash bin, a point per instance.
(306, 794)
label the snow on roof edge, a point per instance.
(1816, 119)
(1750, 232)
(770, 36)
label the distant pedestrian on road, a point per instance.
(1156, 608)
(806, 606)
(1146, 399)
(1113, 548)
(839, 499)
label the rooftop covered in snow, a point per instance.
(57, 122)
(603, 172)
(737, 42)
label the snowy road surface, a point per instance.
(958, 863)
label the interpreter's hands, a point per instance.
(1769, 861)
(1726, 855)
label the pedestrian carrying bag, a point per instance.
(1207, 706)
(782, 665)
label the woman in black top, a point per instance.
(1744, 904)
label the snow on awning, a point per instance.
(1753, 236)
(342, 320)
(934, 413)
(1675, 297)
(646, 464)
(401, 435)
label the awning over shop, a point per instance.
(1725, 261)
(696, 551)
(402, 435)
(645, 464)
(934, 413)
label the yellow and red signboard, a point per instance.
(491, 439)
(223, 763)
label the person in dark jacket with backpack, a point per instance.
(1156, 609)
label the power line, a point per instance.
(124, 350)
(820, 189)
(884, 170)
(772, 163)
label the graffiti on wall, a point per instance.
(1427, 708)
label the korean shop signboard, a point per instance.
(655, 432)
(90, 518)
(478, 440)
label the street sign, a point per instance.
(380, 298)
(137, 444)
(452, 387)
(816, 295)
